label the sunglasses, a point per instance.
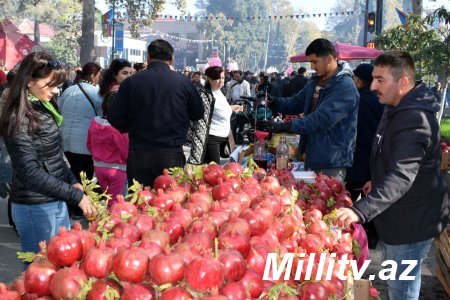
(54, 64)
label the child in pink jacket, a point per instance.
(109, 150)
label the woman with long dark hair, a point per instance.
(108, 146)
(42, 182)
(117, 72)
(208, 133)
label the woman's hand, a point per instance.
(89, 210)
(78, 186)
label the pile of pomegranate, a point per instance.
(202, 232)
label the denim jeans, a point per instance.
(406, 289)
(39, 222)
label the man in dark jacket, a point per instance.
(329, 102)
(297, 83)
(369, 115)
(155, 107)
(407, 197)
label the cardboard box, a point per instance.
(445, 161)
(442, 280)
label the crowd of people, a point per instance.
(373, 128)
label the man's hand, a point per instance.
(78, 186)
(367, 188)
(345, 217)
(89, 210)
(237, 108)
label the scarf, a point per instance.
(51, 109)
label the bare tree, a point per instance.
(86, 41)
(417, 7)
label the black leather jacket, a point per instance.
(40, 173)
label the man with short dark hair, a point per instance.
(155, 107)
(329, 102)
(297, 83)
(197, 80)
(406, 197)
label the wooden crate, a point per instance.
(445, 161)
(441, 278)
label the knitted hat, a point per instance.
(364, 72)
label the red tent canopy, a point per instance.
(14, 46)
(345, 52)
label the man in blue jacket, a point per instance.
(329, 102)
(406, 197)
(155, 107)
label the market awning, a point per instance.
(345, 52)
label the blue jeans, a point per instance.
(406, 289)
(39, 222)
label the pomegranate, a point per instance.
(235, 241)
(122, 207)
(164, 181)
(118, 243)
(38, 276)
(233, 291)
(86, 237)
(138, 292)
(221, 190)
(233, 265)
(128, 231)
(212, 173)
(313, 290)
(142, 222)
(174, 228)
(233, 169)
(203, 274)
(252, 283)
(205, 226)
(165, 268)
(271, 185)
(130, 265)
(162, 201)
(238, 226)
(158, 237)
(67, 283)
(98, 261)
(175, 293)
(150, 248)
(202, 240)
(100, 289)
(8, 295)
(64, 249)
(177, 193)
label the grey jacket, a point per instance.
(409, 199)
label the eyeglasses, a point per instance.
(54, 64)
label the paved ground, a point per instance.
(11, 267)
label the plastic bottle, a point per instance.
(282, 157)
(260, 154)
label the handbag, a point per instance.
(89, 98)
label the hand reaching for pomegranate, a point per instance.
(89, 210)
(345, 217)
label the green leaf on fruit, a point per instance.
(111, 293)
(331, 202)
(356, 248)
(275, 291)
(27, 256)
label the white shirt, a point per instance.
(220, 122)
(236, 92)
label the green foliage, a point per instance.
(445, 128)
(429, 47)
(139, 13)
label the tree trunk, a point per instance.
(417, 7)
(86, 41)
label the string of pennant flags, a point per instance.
(250, 18)
(189, 18)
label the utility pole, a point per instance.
(365, 24)
(267, 48)
(113, 31)
(379, 18)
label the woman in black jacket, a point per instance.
(42, 182)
